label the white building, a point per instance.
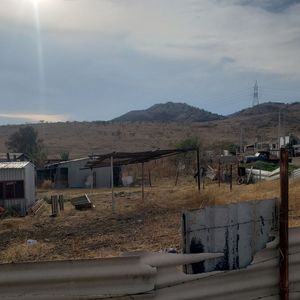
(72, 174)
(17, 186)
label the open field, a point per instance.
(151, 226)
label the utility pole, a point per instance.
(284, 225)
(241, 140)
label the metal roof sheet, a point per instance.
(127, 158)
(56, 164)
(14, 164)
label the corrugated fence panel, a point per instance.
(239, 230)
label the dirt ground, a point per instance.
(152, 225)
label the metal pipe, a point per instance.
(112, 183)
(219, 172)
(143, 182)
(283, 225)
(230, 177)
(198, 168)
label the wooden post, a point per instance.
(177, 175)
(92, 183)
(61, 202)
(230, 177)
(149, 176)
(143, 181)
(219, 172)
(54, 205)
(198, 168)
(284, 226)
(112, 183)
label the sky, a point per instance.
(65, 60)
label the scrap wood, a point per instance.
(36, 207)
(211, 173)
(82, 202)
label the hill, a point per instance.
(83, 138)
(169, 112)
(267, 115)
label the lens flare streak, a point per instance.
(40, 54)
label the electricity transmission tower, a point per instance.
(255, 94)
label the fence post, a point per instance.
(219, 172)
(283, 225)
(198, 168)
(230, 177)
(54, 205)
(61, 202)
(149, 175)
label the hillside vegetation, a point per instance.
(83, 138)
(170, 111)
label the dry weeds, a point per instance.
(151, 225)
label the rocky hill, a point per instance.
(83, 138)
(169, 112)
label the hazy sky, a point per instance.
(97, 59)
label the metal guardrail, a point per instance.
(151, 276)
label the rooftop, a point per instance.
(14, 164)
(127, 158)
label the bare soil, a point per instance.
(152, 225)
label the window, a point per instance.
(12, 189)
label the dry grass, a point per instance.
(83, 138)
(151, 225)
(24, 252)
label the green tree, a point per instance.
(26, 140)
(65, 155)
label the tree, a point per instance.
(65, 155)
(26, 140)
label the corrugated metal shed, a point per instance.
(14, 164)
(11, 175)
(72, 174)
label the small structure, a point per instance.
(70, 174)
(118, 159)
(17, 186)
(13, 156)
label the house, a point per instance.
(13, 156)
(17, 186)
(71, 174)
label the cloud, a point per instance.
(200, 31)
(128, 54)
(274, 6)
(34, 117)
